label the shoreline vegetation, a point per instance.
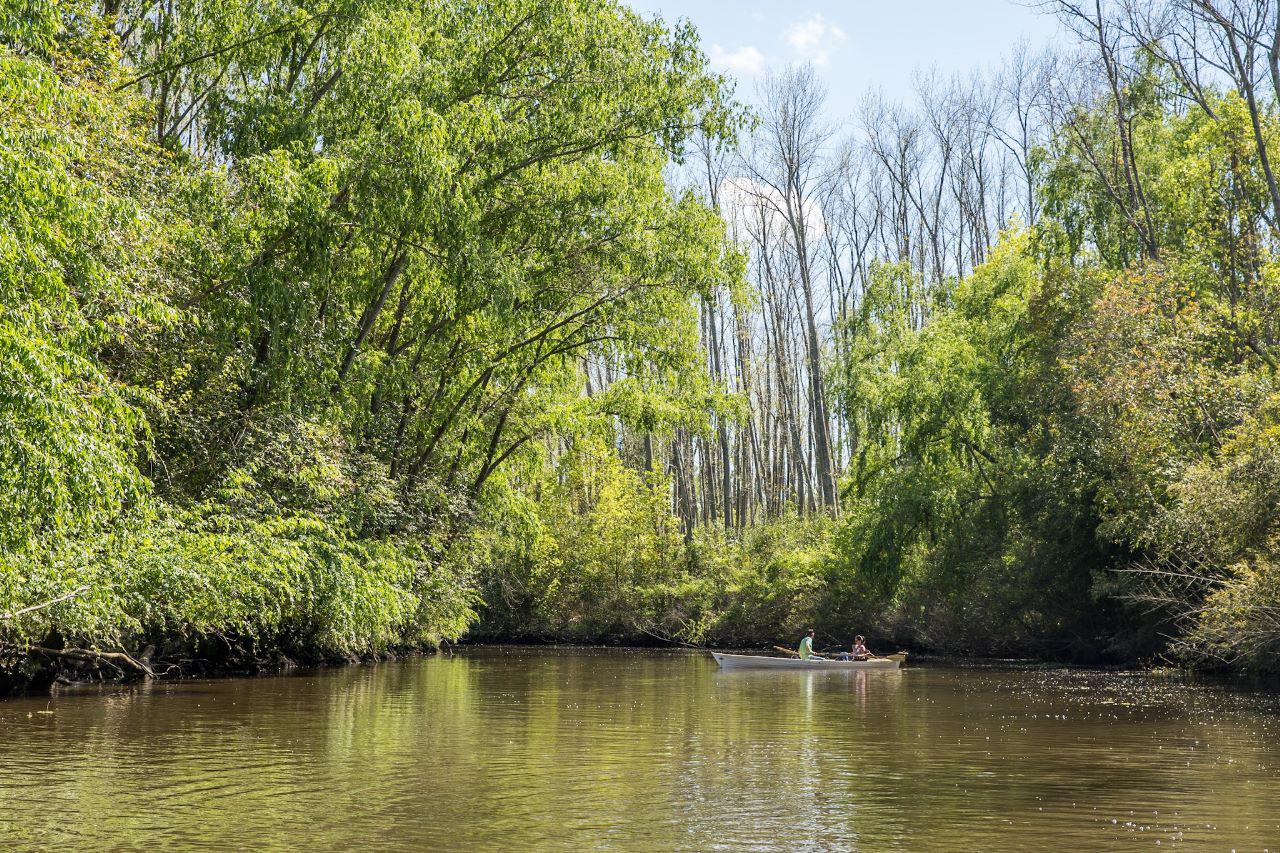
(332, 331)
(71, 679)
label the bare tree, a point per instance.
(788, 168)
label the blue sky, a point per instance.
(857, 44)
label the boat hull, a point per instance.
(728, 661)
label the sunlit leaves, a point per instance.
(360, 271)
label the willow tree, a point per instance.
(436, 212)
(312, 275)
(76, 268)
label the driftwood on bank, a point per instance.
(116, 659)
(120, 660)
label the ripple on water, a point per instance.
(554, 748)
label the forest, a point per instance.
(336, 329)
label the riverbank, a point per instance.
(220, 589)
(42, 672)
(46, 674)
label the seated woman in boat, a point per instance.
(806, 648)
(860, 650)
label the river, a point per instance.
(544, 748)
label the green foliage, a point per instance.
(289, 583)
(1079, 424)
(599, 557)
(27, 25)
(74, 256)
(289, 294)
(962, 527)
(301, 312)
(590, 557)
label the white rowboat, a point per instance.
(728, 661)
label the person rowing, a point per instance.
(806, 648)
(860, 650)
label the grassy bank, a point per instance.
(193, 593)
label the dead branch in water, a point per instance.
(113, 658)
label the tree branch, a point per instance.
(42, 605)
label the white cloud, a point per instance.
(745, 60)
(815, 38)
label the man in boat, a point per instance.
(806, 648)
(860, 650)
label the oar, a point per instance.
(796, 654)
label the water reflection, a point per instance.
(555, 748)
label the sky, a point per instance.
(857, 44)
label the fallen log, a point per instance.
(113, 658)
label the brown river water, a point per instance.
(540, 748)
